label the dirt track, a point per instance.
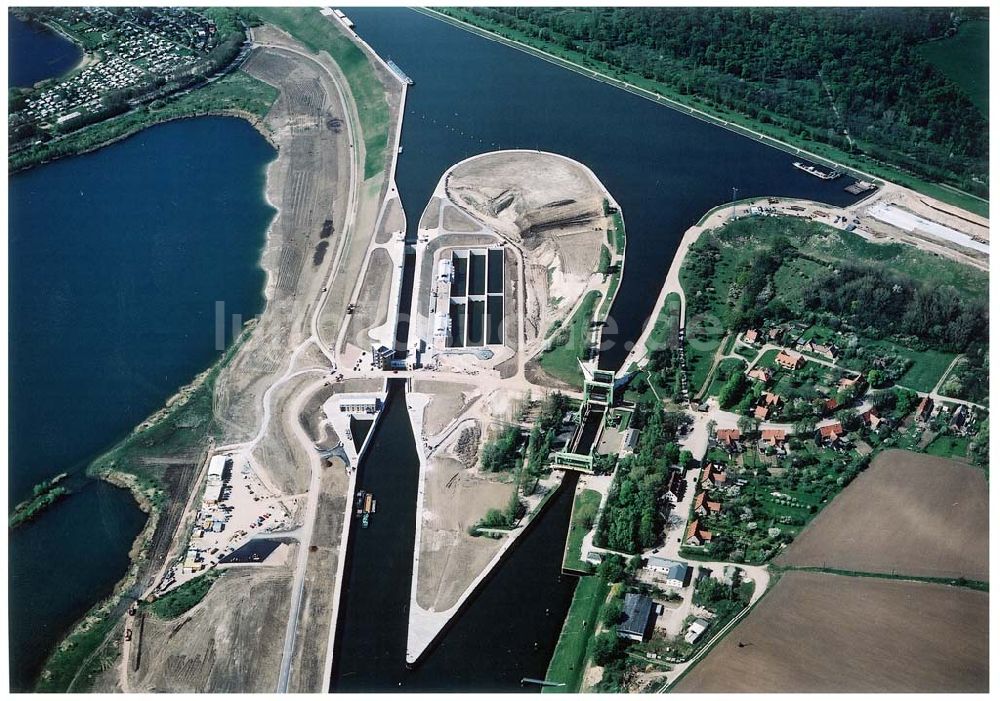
(908, 513)
(828, 633)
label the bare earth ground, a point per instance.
(456, 493)
(432, 214)
(308, 177)
(308, 666)
(548, 205)
(373, 301)
(455, 498)
(907, 513)
(279, 452)
(392, 221)
(828, 633)
(454, 220)
(230, 642)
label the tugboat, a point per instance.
(364, 521)
(359, 501)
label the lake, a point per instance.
(34, 53)
(117, 259)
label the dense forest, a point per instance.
(850, 77)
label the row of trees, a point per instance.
(791, 67)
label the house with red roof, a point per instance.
(703, 506)
(790, 360)
(696, 535)
(762, 374)
(729, 438)
(713, 477)
(831, 433)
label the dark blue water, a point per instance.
(502, 636)
(117, 259)
(35, 53)
(664, 168)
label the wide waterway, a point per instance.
(117, 259)
(665, 169)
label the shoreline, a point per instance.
(253, 120)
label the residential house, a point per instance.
(703, 506)
(695, 630)
(924, 409)
(849, 382)
(790, 360)
(638, 612)
(729, 439)
(871, 419)
(751, 336)
(696, 535)
(774, 437)
(831, 433)
(761, 373)
(713, 477)
(827, 351)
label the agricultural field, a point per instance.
(819, 632)
(908, 513)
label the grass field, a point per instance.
(927, 368)
(570, 343)
(666, 324)
(185, 597)
(949, 447)
(573, 557)
(572, 650)
(818, 632)
(965, 58)
(899, 517)
(319, 33)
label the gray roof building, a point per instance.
(637, 610)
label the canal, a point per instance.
(502, 636)
(664, 167)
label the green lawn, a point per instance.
(572, 650)
(573, 557)
(927, 368)
(965, 58)
(666, 324)
(727, 366)
(319, 33)
(570, 343)
(949, 447)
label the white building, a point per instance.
(695, 630)
(676, 573)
